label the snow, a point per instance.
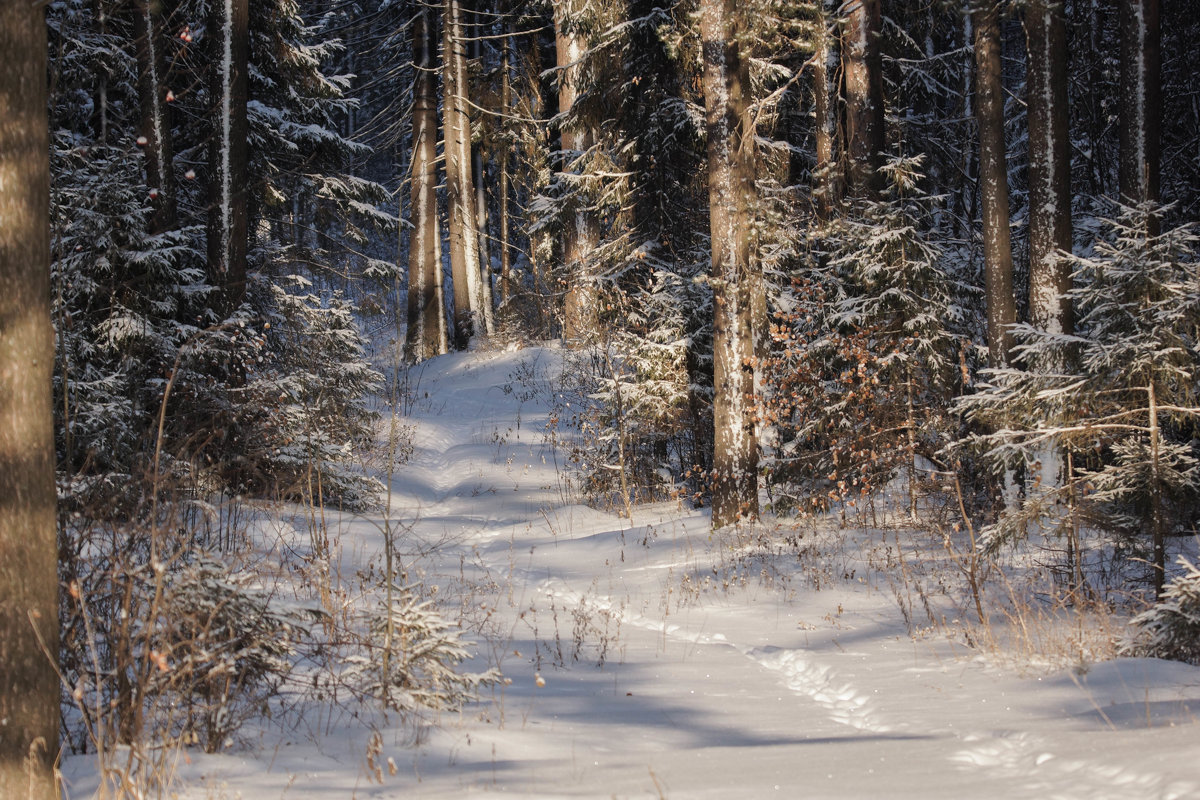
(653, 658)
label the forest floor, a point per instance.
(651, 658)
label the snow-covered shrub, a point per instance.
(1123, 408)
(1171, 628)
(225, 644)
(870, 346)
(411, 656)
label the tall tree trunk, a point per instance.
(1049, 190)
(993, 179)
(504, 189)
(862, 65)
(460, 188)
(29, 690)
(426, 335)
(827, 175)
(1140, 107)
(479, 173)
(579, 239)
(153, 96)
(1049, 167)
(228, 236)
(731, 189)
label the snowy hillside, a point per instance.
(649, 658)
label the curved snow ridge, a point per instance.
(1025, 758)
(841, 701)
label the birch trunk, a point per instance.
(29, 688)
(731, 188)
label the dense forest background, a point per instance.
(798, 248)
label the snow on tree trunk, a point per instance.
(993, 180)
(579, 240)
(731, 177)
(469, 317)
(29, 688)
(153, 96)
(862, 67)
(1140, 105)
(426, 317)
(826, 176)
(227, 214)
(1049, 189)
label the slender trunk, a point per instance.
(579, 239)
(1156, 521)
(1049, 192)
(1049, 168)
(826, 176)
(731, 188)
(503, 190)
(153, 96)
(993, 179)
(426, 317)
(460, 189)
(29, 688)
(862, 65)
(1140, 105)
(479, 173)
(228, 158)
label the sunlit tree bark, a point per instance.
(731, 190)
(29, 690)
(1140, 107)
(426, 335)
(863, 68)
(153, 96)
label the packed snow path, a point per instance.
(652, 659)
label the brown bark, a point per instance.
(862, 65)
(228, 237)
(156, 123)
(29, 691)
(426, 335)
(1140, 106)
(731, 189)
(506, 107)
(993, 180)
(1049, 167)
(580, 320)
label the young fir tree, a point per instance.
(1127, 414)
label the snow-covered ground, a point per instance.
(649, 658)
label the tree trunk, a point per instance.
(731, 188)
(426, 318)
(506, 107)
(1140, 106)
(29, 690)
(1049, 168)
(228, 236)
(579, 240)
(826, 175)
(993, 179)
(862, 65)
(460, 188)
(153, 96)
(479, 173)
